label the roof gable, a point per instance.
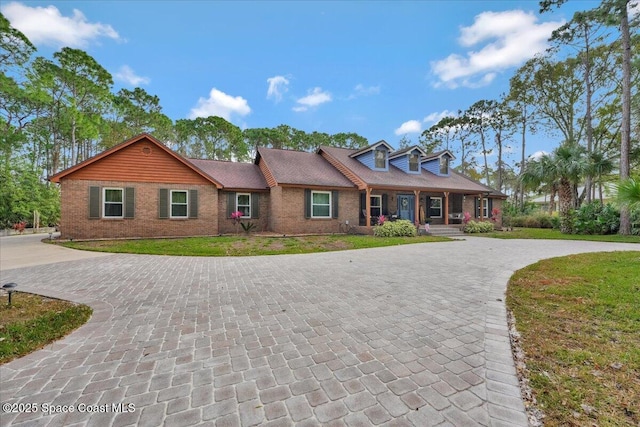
(139, 159)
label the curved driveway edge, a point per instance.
(406, 335)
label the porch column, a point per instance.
(367, 209)
(446, 208)
(416, 208)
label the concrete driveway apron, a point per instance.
(411, 335)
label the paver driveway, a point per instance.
(408, 335)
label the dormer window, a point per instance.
(444, 165)
(380, 159)
(414, 164)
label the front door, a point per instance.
(406, 205)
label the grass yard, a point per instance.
(547, 233)
(33, 321)
(579, 320)
(247, 245)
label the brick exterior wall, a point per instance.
(287, 212)
(75, 222)
(226, 224)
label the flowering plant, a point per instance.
(381, 219)
(19, 226)
(494, 214)
(467, 218)
(236, 216)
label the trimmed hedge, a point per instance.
(478, 227)
(398, 228)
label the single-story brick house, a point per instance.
(141, 188)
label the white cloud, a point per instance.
(436, 117)
(220, 104)
(314, 98)
(511, 38)
(537, 155)
(127, 75)
(47, 26)
(277, 87)
(411, 126)
(361, 90)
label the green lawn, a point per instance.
(247, 245)
(547, 233)
(579, 320)
(33, 321)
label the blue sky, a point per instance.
(380, 69)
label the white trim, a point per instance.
(104, 203)
(171, 215)
(330, 205)
(429, 210)
(238, 204)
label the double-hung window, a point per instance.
(179, 203)
(380, 159)
(484, 208)
(243, 204)
(444, 165)
(113, 206)
(376, 206)
(435, 207)
(320, 204)
(413, 163)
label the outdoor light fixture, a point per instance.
(9, 287)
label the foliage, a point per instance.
(32, 322)
(381, 219)
(399, 228)
(538, 220)
(629, 193)
(248, 226)
(466, 218)
(596, 218)
(478, 227)
(19, 226)
(579, 329)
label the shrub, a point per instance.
(539, 220)
(596, 218)
(398, 228)
(478, 227)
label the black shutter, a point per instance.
(307, 203)
(193, 203)
(129, 202)
(476, 208)
(163, 203)
(231, 204)
(334, 204)
(385, 205)
(428, 206)
(490, 208)
(94, 202)
(255, 205)
(363, 204)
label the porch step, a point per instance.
(445, 230)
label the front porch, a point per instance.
(419, 207)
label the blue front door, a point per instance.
(406, 206)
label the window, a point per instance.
(435, 207)
(243, 204)
(113, 206)
(320, 204)
(376, 206)
(179, 205)
(444, 165)
(485, 207)
(413, 163)
(380, 159)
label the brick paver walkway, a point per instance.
(409, 335)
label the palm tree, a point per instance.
(629, 193)
(599, 166)
(564, 167)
